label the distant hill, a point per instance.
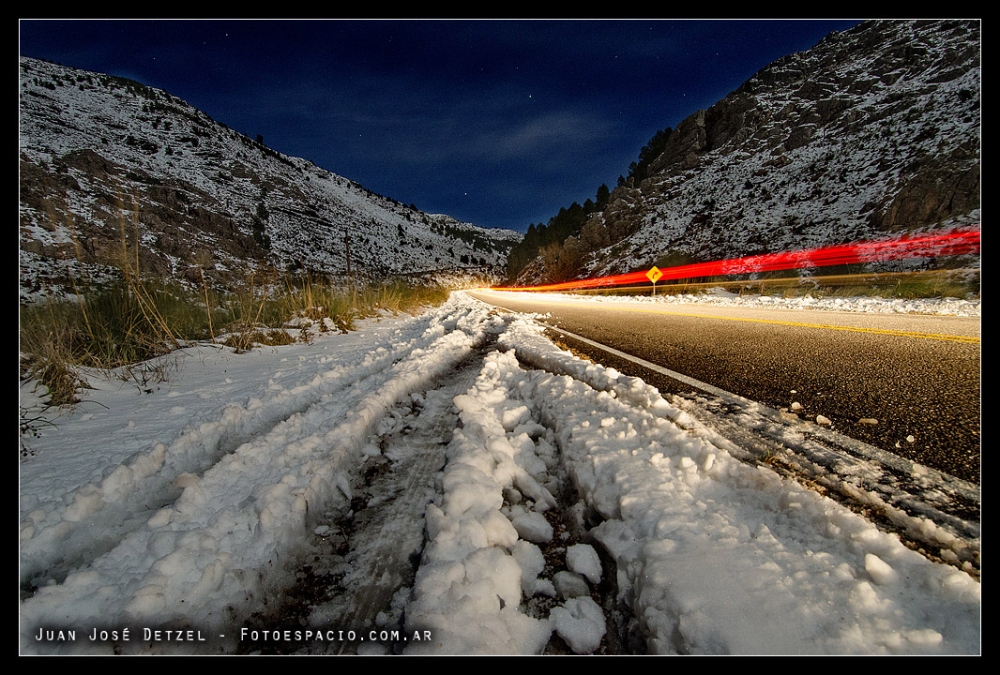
(103, 157)
(874, 131)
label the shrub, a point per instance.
(132, 321)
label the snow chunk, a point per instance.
(512, 418)
(533, 527)
(570, 585)
(86, 501)
(580, 622)
(532, 562)
(880, 572)
(583, 559)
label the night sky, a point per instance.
(498, 123)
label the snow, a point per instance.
(583, 559)
(188, 509)
(581, 623)
(722, 298)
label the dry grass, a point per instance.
(123, 326)
(398, 297)
(274, 337)
(31, 422)
(245, 312)
(315, 298)
(140, 292)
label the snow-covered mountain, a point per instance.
(874, 131)
(102, 158)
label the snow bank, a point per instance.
(720, 297)
(221, 546)
(710, 555)
(469, 584)
(717, 556)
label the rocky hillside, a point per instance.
(874, 131)
(105, 160)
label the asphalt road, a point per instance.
(918, 376)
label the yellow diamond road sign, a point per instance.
(654, 274)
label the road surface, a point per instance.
(918, 376)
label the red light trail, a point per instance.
(957, 242)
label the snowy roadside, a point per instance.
(722, 298)
(217, 504)
(186, 509)
(714, 555)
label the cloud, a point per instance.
(537, 137)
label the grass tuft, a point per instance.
(127, 325)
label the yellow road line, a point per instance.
(965, 339)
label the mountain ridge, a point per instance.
(871, 133)
(108, 164)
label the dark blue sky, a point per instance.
(498, 123)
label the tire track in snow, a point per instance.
(93, 518)
(493, 578)
(361, 566)
(701, 541)
(219, 547)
